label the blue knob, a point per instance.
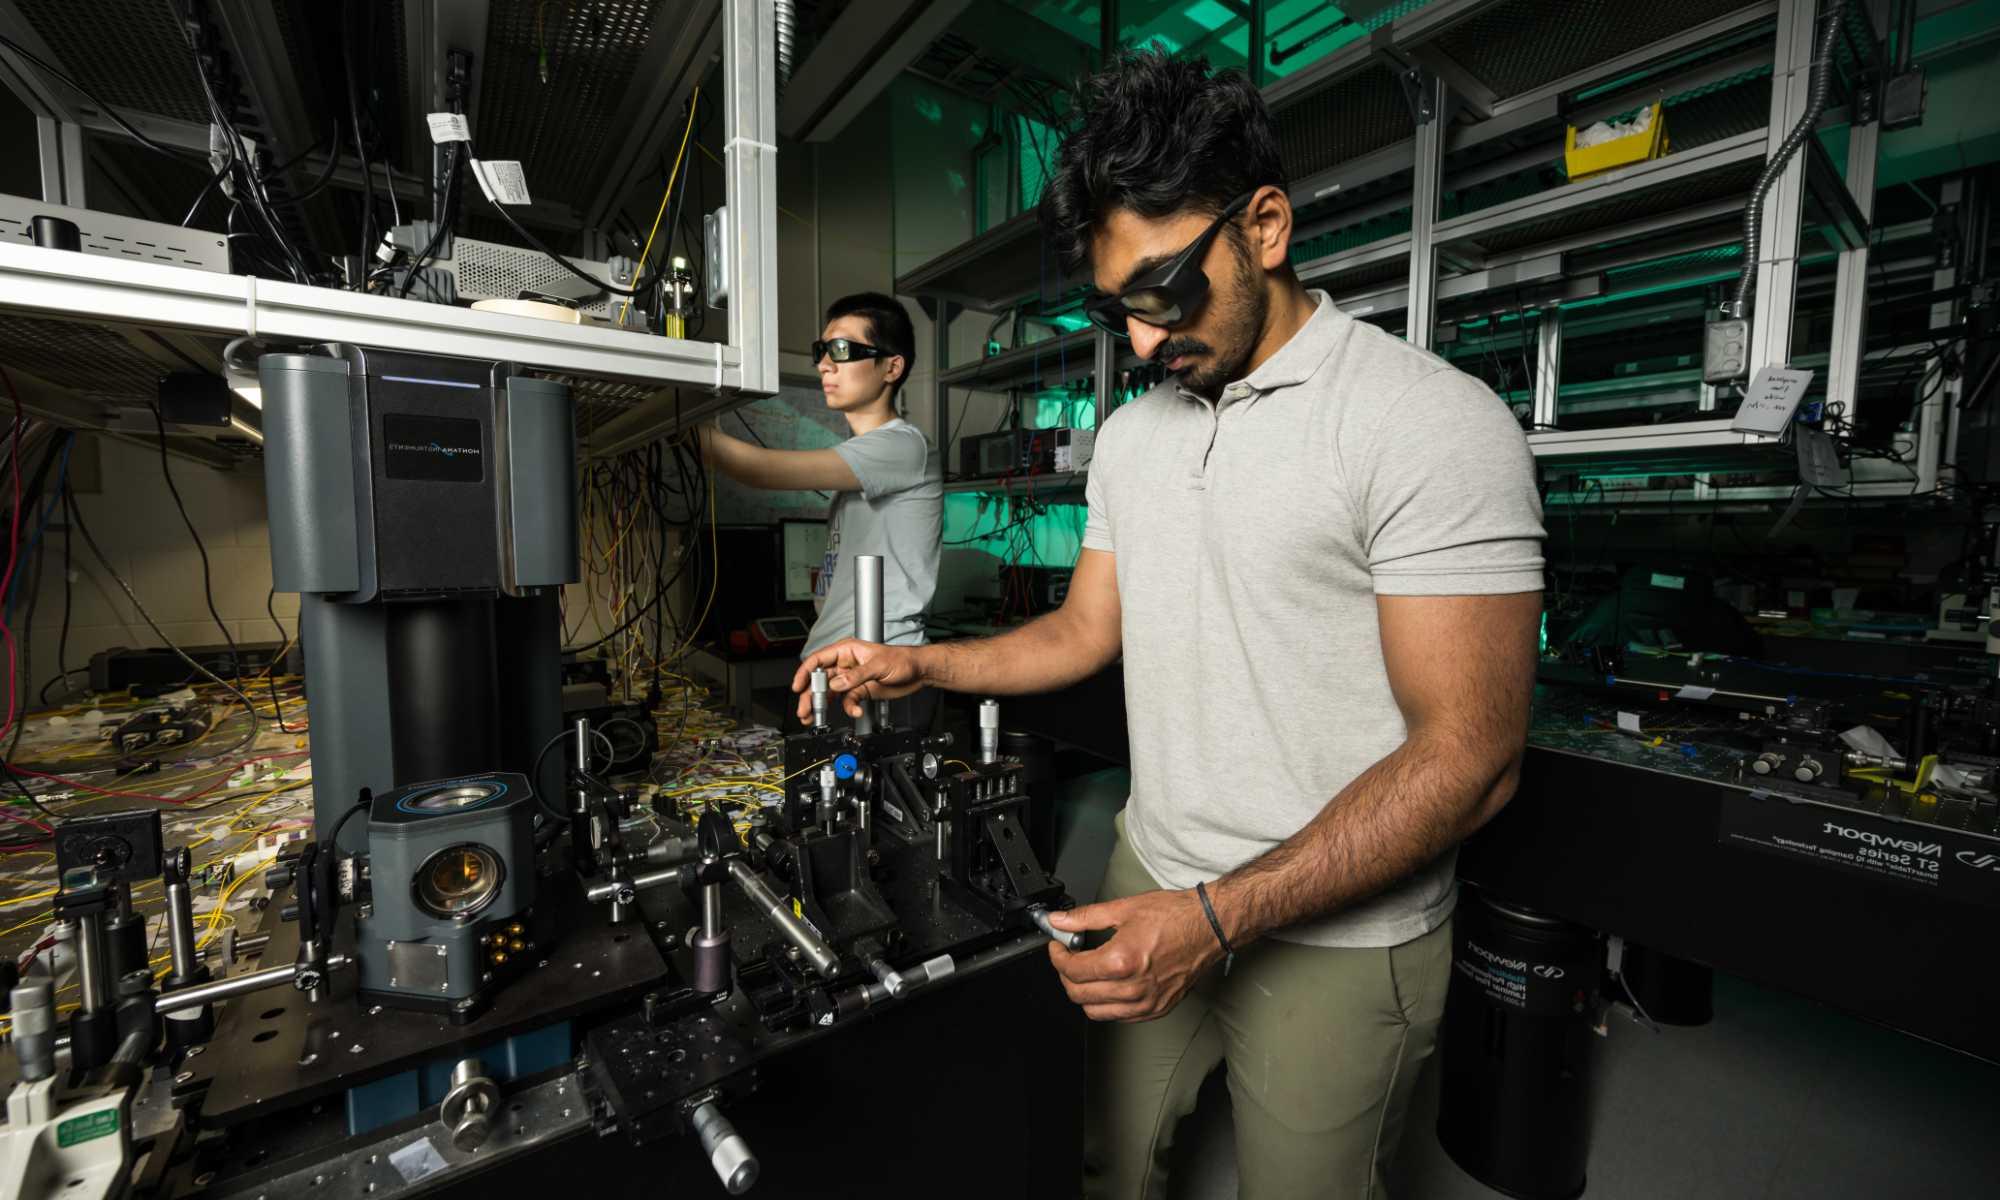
(845, 766)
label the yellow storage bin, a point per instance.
(1618, 152)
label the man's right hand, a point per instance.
(860, 671)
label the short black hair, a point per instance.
(1157, 135)
(889, 326)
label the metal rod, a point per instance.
(180, 930)
(90, 961)
(236, 985)
(583, 744)
(821, 955)
(868, 623)
(598, 893)
(819, 697)
(1675, 687)
(711, 909)
(1039, 914)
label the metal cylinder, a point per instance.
(820, 696)
(711, 909)
(817, 952)
(1039, 914)
(611, 889)
(441, 666)
(91, 977)
(237, 985)
(943, 840)
(989, 731)
(33, 1005)
(868, 625)
(180, 931)
(582, 746)
(868, 597)
(735, 1165)
(829, 799)
(54, 233)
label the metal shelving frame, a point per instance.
(144, 301)
(1441, 259)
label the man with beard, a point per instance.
(1317, 549)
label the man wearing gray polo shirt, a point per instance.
(1318, 551)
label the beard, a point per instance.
(1241, 317)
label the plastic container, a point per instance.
(1619, 152)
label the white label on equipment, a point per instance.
(449, 127)
(1629, 722)
(502, 180)
(1692, 692)
(1773, 397)
(1676, 582)
(417, 1160)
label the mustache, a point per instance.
(1179, 347)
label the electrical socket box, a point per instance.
(1725, 350)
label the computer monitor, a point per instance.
(803, 552)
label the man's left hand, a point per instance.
(1162, 946)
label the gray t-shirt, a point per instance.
(1252, 536)
(898, 514)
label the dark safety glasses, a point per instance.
(1169, 293)
(843, 350)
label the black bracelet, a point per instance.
(1228, 951)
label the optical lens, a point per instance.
(458, 881)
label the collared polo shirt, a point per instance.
(1252, 535)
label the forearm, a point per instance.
(751, 466)
(1048, 653)
(1406, 810)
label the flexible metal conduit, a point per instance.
(1753, 212)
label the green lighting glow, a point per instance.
(1209, 15)
(992, 524)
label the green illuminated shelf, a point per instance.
(1047, 363)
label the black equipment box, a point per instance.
(121, 667)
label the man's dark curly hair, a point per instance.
(1157, 135)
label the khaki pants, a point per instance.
(1322, 1047)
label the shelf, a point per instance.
(1049, 362)
(1038, 485)
(1645, 198)
(1691, 446)
(44, 287)
(1007, 263)
(1502, 54)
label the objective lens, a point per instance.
(458, 881)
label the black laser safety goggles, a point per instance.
(843, 350)
(1169, 293)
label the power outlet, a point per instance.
(1725, 350)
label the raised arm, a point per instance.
(782, 470)
(1070, 644)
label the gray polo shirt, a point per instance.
(898, 514)
(1252, 537)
